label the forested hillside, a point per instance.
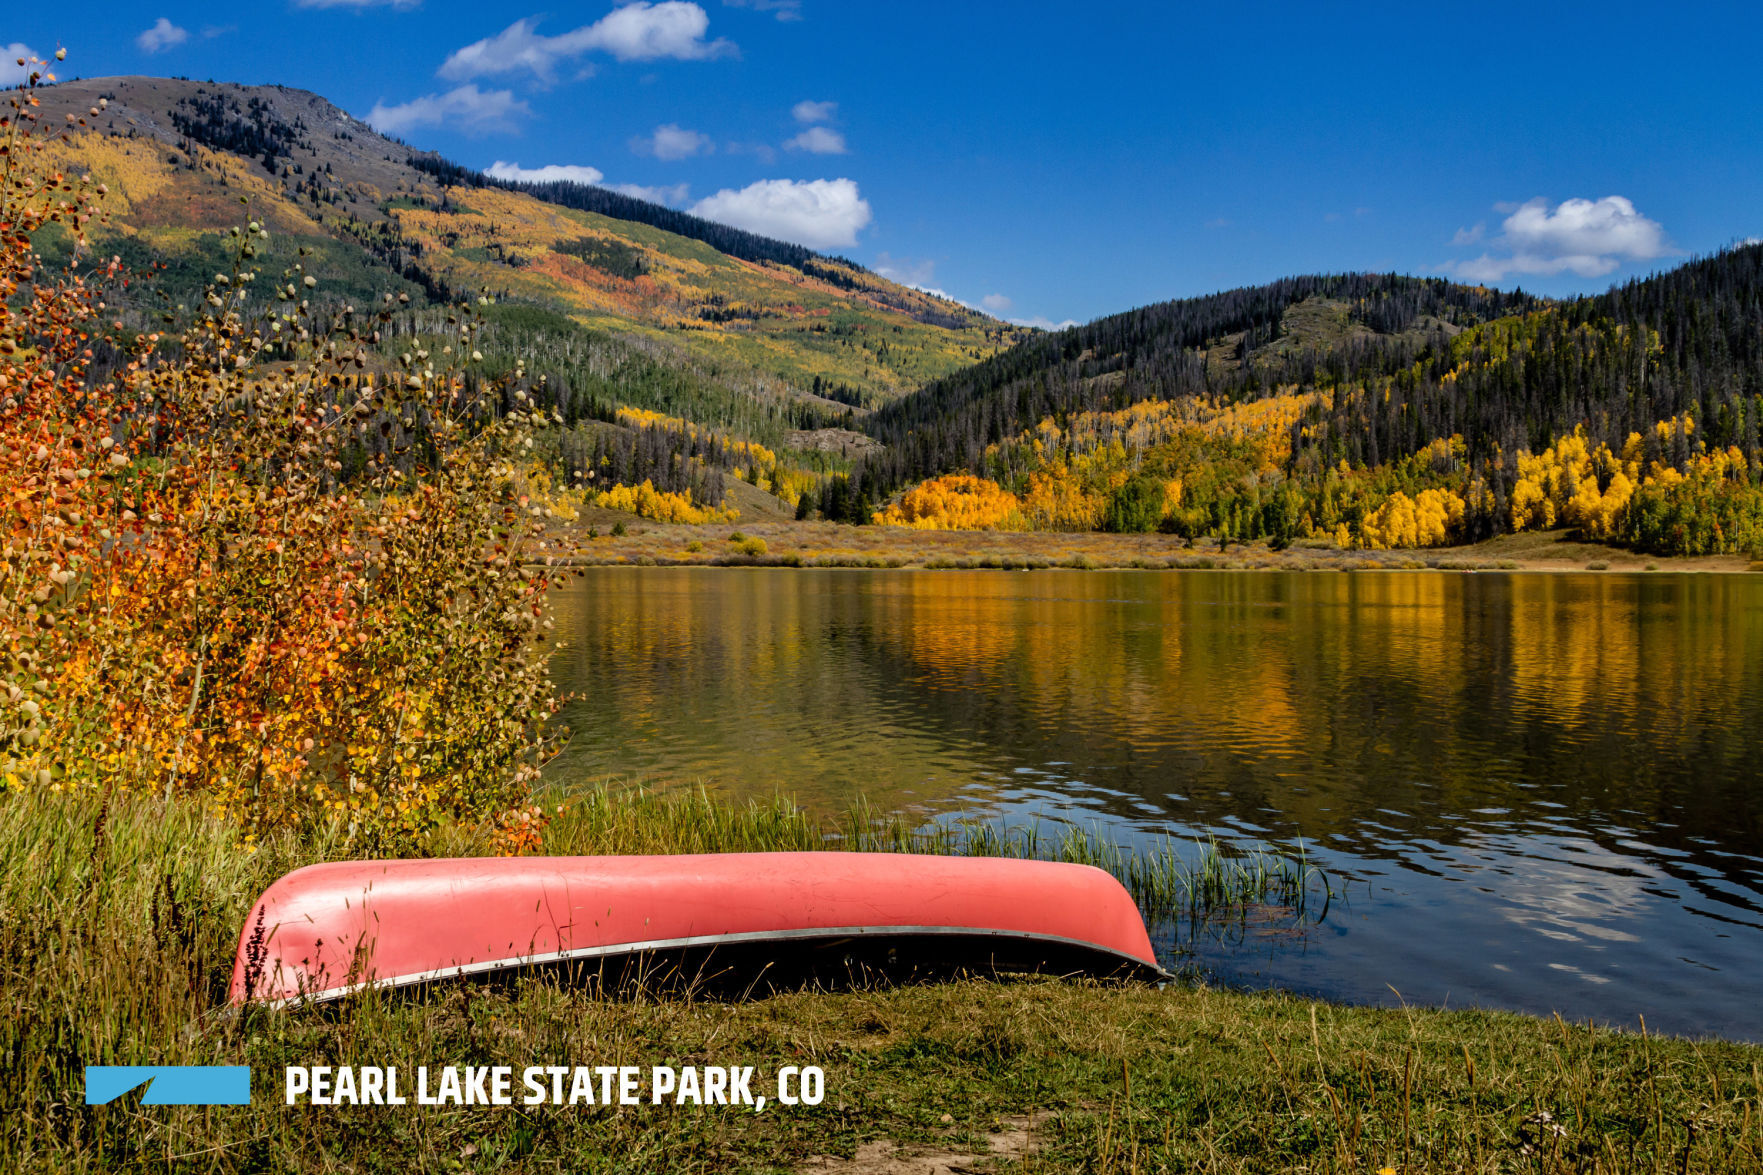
(1377, 410)
(607, 302)
(1373, 410)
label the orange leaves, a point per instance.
(956, 502)
(193, 599)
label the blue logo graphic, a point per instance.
(171, 1085)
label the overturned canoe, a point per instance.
(326, 930)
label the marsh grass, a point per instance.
(119, 919)
(1168, 878)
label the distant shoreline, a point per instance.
(783, 543)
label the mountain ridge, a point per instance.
(823, 331)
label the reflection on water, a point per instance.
(1542, 787)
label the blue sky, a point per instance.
(1056, 161)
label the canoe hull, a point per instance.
(327, 930)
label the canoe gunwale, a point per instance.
(1129, 965)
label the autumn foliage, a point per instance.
(645, 501)
(956, 502)
(1198, 467)
(244, 566)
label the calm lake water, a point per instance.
(1533, 791)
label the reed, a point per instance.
(1169, 879)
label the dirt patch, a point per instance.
(832, 440)
(886, 1157)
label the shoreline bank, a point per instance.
(127, 912)
(776, 543)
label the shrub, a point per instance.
(197, 598)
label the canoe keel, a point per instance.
(723, 919)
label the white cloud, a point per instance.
(806, 111)
(575, 173)
(549, 174)
(672, 194)
(11, 72)
(1579, 228)
(163, 35)
(1589, 238)
(906, 271)
(1468, 236)
(673, 141)
(919, 274)
(1042, 322)
(786, 10)
(821, 214)
(636, 32)
(1749, 241)
(914, 275)
(818, 140)
(467, 109)
(515, 47)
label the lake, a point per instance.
(1529, 791)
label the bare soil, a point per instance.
(886, 1157)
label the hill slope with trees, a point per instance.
(611, 302)
(1376, 410)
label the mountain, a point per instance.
(1300, 332)
(1378, 410)
(759, 335)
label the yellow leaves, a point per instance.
(1570, 483)
(1057, 499)
(1428, 520)
(646, 501)
(645, 418)
(227, 646)
(956, 502)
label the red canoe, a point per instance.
(326, 930)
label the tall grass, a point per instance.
(1168, 879)
(119, 919)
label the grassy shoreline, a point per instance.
(118, 923)
(786, 543)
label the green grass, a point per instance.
(118, 924)
(1168, 880)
